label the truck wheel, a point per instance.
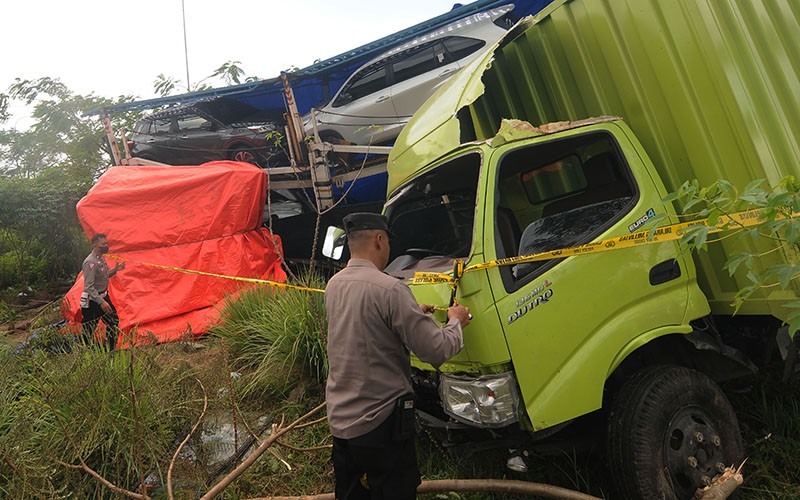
(670, 430)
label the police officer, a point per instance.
(95, 302)
(373, 323)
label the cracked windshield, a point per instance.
(433, 216)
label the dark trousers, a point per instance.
(389, 466)
(94, 313)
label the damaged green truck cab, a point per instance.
(561, 326)
(705, 90)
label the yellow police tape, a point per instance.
(659, 235)
(214, 275)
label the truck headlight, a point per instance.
(487, 401)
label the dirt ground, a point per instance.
(39, 308)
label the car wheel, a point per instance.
(670, 431)
(244, 155)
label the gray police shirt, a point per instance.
(373, 323)
(95, 279)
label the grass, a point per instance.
(118, 413)
(277, 337)
(769, 416)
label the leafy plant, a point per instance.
(776, 232)
(278, 335)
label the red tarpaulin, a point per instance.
(204, 218)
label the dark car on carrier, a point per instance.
(218, 129)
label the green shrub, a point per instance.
(278, 336)
(12, 275)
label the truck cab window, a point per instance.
(434, 215)
(559, 194)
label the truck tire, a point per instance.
(669, 430)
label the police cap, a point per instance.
(362, 221)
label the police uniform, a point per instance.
(95, 291)
(374, 323)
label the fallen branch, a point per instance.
(723, 485)
(313, 448)
(313, 422)
(105, 482)
(277, 432)
(186, 440)
(493, 485)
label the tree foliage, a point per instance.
(778, 230)
(61, 136)
(39, 228)
(229, 73)
(46, 168)
(44, 171)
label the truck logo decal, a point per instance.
(538, 296)
(641, 220)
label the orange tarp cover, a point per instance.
(204, 218)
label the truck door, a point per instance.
(565, 320)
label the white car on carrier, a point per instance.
(378, 99)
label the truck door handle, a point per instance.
(184, 137)
(447, 72)
(382, 98)
(665, 271)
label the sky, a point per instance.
(112, 48)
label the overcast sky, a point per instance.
(114, 48)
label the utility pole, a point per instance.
(185, 46)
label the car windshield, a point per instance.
(434, 214)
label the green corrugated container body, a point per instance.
(710, 87)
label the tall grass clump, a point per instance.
(769, 415)
(118, 413)
(277, 337)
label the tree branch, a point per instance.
(105, 482)
(313, 448)
(493, 485)
(186, 440)
(277, 432)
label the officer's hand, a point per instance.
(120, 266)
(427, 308)
(105, 307)
(461, 313)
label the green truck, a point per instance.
(639, 96)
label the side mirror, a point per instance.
(333, 246)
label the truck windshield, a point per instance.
(434, 214)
